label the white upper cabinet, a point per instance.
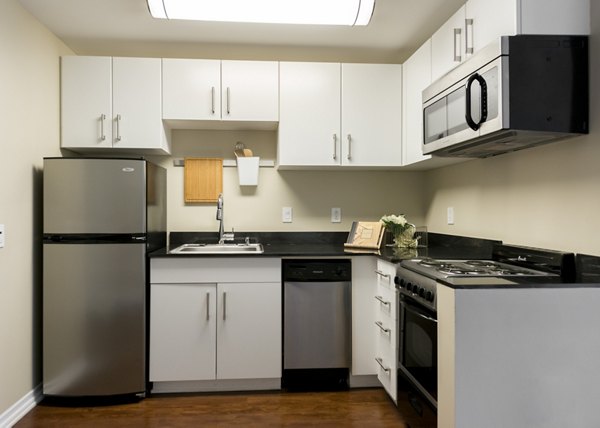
(332, 114)
(112, 103)
(371, 114)
(215, 91)
(86, 120)
(137, 103)
(486, 20)
(416, 76)
(479, 22)
(191, 89)
(447, 45)
(310, 117)
(250, 90)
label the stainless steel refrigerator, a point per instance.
(101, 217)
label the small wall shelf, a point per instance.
(264, 163)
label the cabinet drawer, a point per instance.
(214, 269)
(386, 333)
(385, 274)
(385, 301)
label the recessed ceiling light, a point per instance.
(319, 12)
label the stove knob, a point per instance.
(429, 296)
(397, 280)
(402, 283)
(421, 292)
(408, 286)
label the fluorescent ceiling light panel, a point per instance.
(320, 12)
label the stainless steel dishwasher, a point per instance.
(316, 323)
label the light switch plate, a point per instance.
(286, 214)
(336, 215)
(450, 215)
(1, 236)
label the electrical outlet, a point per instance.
(1, 236)
(286, 214)
(450, 215)
(336, 215)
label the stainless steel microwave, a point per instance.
(518, 92)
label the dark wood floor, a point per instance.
(356, 408)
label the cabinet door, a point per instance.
(191, 89)
(487, 20)
(137, 106)
(309, 125)
(86, 101)
(250, 90)
(447, 45)
(363, 316)
(371, 114)
(182, 332)
(249, 331)
(416, 76)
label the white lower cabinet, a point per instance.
(183, 332)
(209, 328)
(385, 327)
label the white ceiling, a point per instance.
(125, 27)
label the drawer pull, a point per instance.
(380, 325)
(380, 300)
(384, 275)
(380, 362)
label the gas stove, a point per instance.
(468, 268)
(509, 265)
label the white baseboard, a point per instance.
(14, 413)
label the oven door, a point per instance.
(417, 350)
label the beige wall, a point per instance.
(362, 195)
(547, 196)
(29, 118)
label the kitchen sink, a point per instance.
(244, 248)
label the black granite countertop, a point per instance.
(331, 244)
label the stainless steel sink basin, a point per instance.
(218, 249)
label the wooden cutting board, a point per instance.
(203, 179)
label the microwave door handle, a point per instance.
(483, 102)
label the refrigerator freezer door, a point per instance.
(85, 196)
(94, 319)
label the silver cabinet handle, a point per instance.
(469, 47)
(207, 305)
(213, 99)
(334, 146)
(380, 325)
(224, 305)
(457, 49)
(383, 302)
(380, 362)
(118, 128)
(384, 275)
(228, 101)
(102, 119)
(349, 146)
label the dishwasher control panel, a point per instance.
(317, 270)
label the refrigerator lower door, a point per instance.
(94, 319)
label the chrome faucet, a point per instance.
(222, 235)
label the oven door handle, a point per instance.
(412, 309)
